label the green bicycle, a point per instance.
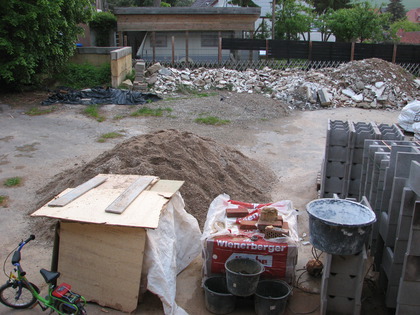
(19, 293)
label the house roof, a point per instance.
(410, 37)
(414, 15)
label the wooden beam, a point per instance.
(77, 192)
(131, 193)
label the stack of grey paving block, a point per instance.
(336, 164)
(399, 271)
(341, 172)
(139, 83)
(342, 283)
(408, 301)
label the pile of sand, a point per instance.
(208, 169)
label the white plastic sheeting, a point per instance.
(170, 249)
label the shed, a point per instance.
(102, 234)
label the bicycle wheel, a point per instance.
(8, 296)
(82, 310)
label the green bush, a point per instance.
(103, 23)
(85, 75)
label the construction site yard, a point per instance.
(282, 149)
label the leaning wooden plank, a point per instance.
(131, 193)
(77, 192)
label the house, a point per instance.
(180, 34)
(414, 15)
(412, 38)
(266, 10)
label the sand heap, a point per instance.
(208, 169)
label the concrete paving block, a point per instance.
(400, 249)
(334, 185)
(347, 264)
(405, 309)
(411, 269)
(404, 159)
(408, 293)
(352, 288)
(340, 305)
(357, 156)
(337, 153)
(336, 169)
(390, 132)
(413, 246)
(391, 296)
(392, 270)
(383, 225)
(414, 177)
(356, 171)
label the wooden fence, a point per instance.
(326, 51)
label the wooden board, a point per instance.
(131, 193)
(77, 192)
(144, 211)
(103, 263)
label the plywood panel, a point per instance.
(77, 192)
(103, 263)
(144, 211)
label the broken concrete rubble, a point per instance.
(374, 82)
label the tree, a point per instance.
(321, 24)
(321, 6)
(37, 37)
(397, 10)
(404, 25)
(292, 18)
(358, 23)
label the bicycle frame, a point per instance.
(50, 301)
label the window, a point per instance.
(160, 40)
(209, 40)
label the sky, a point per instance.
(408, 4)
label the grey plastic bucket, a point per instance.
(271, 297)
(242, 275)
(339, 227)
(217, 297)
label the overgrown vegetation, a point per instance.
(147, 111)
(36, 111)
(212, 120)
(102, 24)
(12, 181)
(110, 135)
(80, 76)
(93, 111)
(37, 37)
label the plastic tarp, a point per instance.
(170, 249)
(218, 225)
(101, 96)
(409, 116)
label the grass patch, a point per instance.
(211, 120)
(12, 181)
(118, 117)
(110, 135)
(36, 111)
(3, 201)
(147, 111)
(93, 111)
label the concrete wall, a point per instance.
(121, 65)
(119, 58)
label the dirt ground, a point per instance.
(288, 143)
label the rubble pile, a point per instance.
(369, 83)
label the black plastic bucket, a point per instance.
(242, 275)
(217, 297)
(339, 227)
(271, 297)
